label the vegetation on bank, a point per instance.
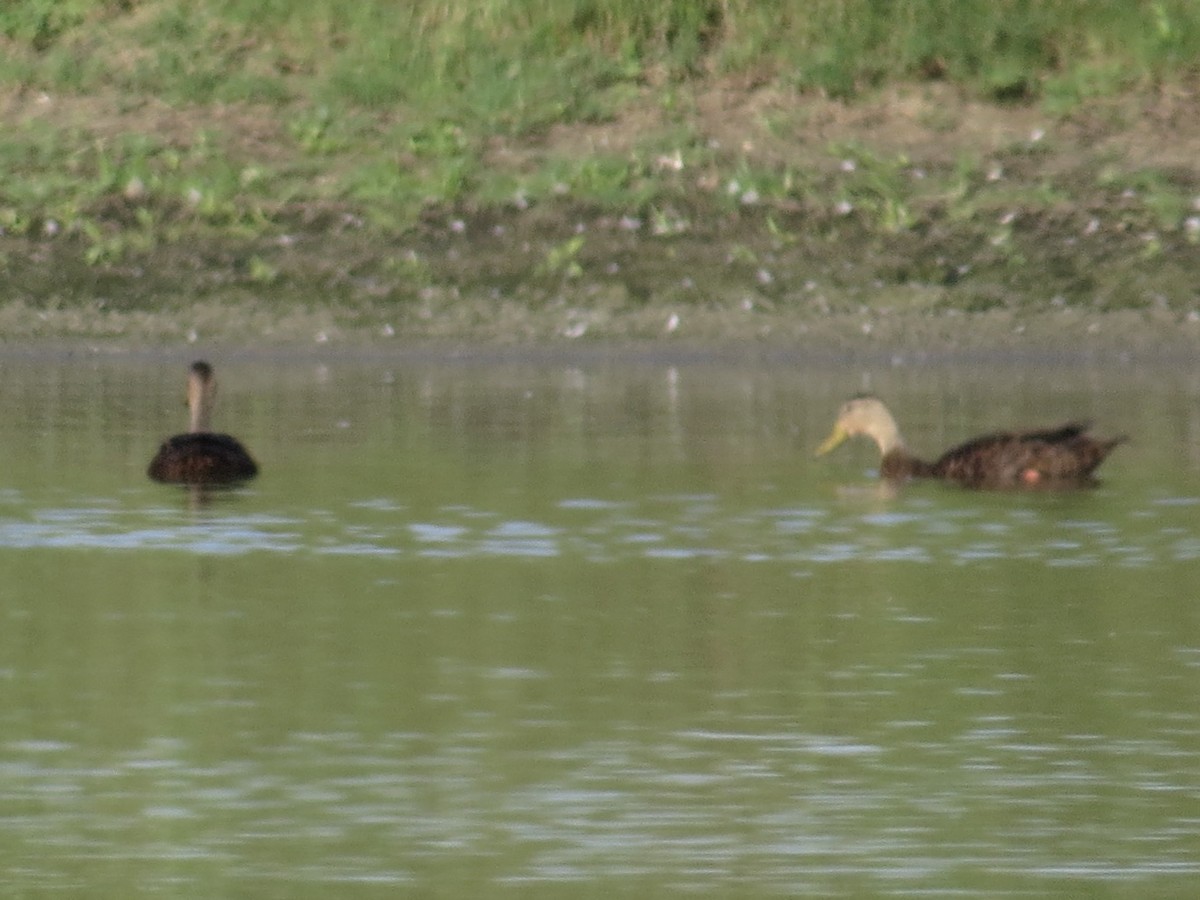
(520, 64)
(219, 133)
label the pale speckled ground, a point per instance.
(1070, 332)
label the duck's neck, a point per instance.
(895, 461)
(200, 404)
(887, 436)
(898, 465)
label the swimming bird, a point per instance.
(201, 456)
(1064, 456)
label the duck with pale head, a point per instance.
(1064, 456)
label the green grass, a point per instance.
(519, 64)
(146, 123)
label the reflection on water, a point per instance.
(567, 627)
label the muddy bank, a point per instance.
(576, 276)
(470, 329)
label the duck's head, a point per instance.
(867, 416)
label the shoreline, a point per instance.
(1062, 337)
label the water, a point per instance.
(570, 626)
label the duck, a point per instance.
(1059, 457)
(201, 456)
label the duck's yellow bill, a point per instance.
(835, 438)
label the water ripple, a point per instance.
(664, 528)
(619, 805)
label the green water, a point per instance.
(574, 626)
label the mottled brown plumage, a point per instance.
(1065, 456)
(199, 456)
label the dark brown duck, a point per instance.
(201, 456)
(1065, 456)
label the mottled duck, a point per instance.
(201, 456)
(1062, 457)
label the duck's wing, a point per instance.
(1062, 454)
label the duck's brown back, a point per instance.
(1059, 455)
(202, 458)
